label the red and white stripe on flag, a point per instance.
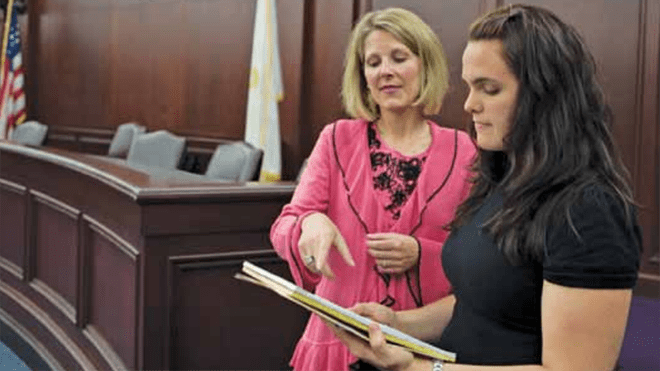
(12, 94)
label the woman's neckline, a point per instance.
(390, 147)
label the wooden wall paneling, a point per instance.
(243, 217)
(30, 253)
(303, 129)
(219, 51)
(56, 227)
(228, 314)
(85, 235)
(31, 58)
(112, 308)
(239, 224)
(328, 29)
(122, 321)
(129, 75)
(360, 8)
(13, 214)
(105, 203)
(42, 326)
(166, 26)
(151, 315)
(60, 73)
(291, 32)
(176, 65)
(15, 334)
(648, 140)
(88, 25)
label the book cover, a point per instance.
(342, 317)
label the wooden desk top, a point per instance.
(144, 184)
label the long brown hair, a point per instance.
(559, 142)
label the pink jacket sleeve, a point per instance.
(431, 248)
(311, 195)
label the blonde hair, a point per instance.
(416, 36)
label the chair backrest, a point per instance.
(31, 133)
(123, 138)
(158, 149)
(237, 161)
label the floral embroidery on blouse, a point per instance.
(393, 174)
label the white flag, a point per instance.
(262, 127)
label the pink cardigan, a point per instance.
(338, 182)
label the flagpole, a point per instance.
(5, 36)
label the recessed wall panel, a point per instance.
(218, 321)
(55, 255)
(113, 276)
(12, 223)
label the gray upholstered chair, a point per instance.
(123, 138)
(160, 149)
(237, 161)
(31, 133)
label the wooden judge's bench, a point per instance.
(106, 266)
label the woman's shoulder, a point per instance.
(464, 145)
(340, 136)
(600, 208)
(599, 196)
(598, 246)
(349, 125)
(345, 130)
(342, 128)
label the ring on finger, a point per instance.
(308, 259)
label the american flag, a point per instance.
(12, 96)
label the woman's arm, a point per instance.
(582, 330)
(312, 195)
(428, 322)
(425, 323)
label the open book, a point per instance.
(347, 320)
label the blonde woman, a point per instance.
(366, 220)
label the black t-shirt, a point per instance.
(497, 317)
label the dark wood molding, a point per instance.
(54, 298)
(40, 284)
(13, 196)
(16, 188)
(45, 328)
(360, 8)
(112, 238)
(105, 349)
(647, 154)
(147, 258)
(11, 267)
(28, 347)
(56, 205)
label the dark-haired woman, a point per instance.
(544, 253)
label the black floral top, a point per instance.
(395, 175)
